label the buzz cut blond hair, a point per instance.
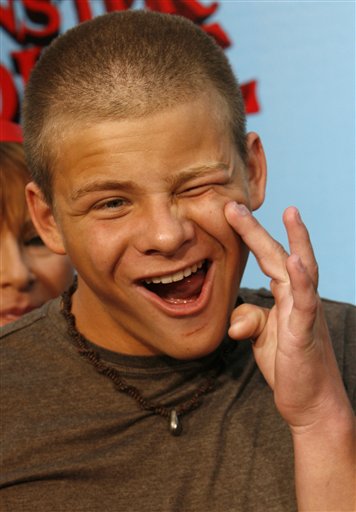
(122, 65)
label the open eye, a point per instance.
(111, 204)
(111, 208)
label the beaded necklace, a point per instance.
(173, 414)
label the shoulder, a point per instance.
(32, 321)
(25, 323)
(34, 356)
(260, 297)
(340, 315)
(31, 333)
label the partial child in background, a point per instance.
(30, 273)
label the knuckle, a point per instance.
(273, 252)
(315, 270)
(278, 248)
(239, 311)
(310, 306)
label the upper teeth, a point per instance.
(178, 276)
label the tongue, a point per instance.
(186, 290)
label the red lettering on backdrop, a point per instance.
(43, 13)
(40, 12)
(191, 9)
(9, 99)
(46, 14)
(214, 30)
(196, 12)
(250, 97)
(83, 10)
(118, 5)
(25, 60)
(7, 18)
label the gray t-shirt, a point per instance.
(72, 442)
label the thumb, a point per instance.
(247, 321)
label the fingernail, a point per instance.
(298, 217)
(241, 209)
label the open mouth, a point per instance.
(182, 287)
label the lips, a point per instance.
(181, 287)
(181, 293)
(177, 276)
(11, 314)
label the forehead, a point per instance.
(14, 214)
(195, 134)
(13, 207)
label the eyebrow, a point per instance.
(196, 172)
(130, 186)
(100, 185)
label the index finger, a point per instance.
(270, 254)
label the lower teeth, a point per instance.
(173, 300)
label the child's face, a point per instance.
(139, 205)
(30, 274)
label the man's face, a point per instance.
(139, 210)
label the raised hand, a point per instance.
(292, 344)
(292, 348)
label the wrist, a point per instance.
(324, 457)
(334, 415)
(333, 435)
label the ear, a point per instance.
(256, 170)
(43, 219)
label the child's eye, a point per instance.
(35, 241)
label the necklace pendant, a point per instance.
(175, 425)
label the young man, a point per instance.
(128, 394)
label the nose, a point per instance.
(163, 229)
(14, 271)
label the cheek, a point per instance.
(208, 213)
(97, 248)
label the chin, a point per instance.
(196, 345)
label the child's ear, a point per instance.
(43, 219)
(256, 170)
